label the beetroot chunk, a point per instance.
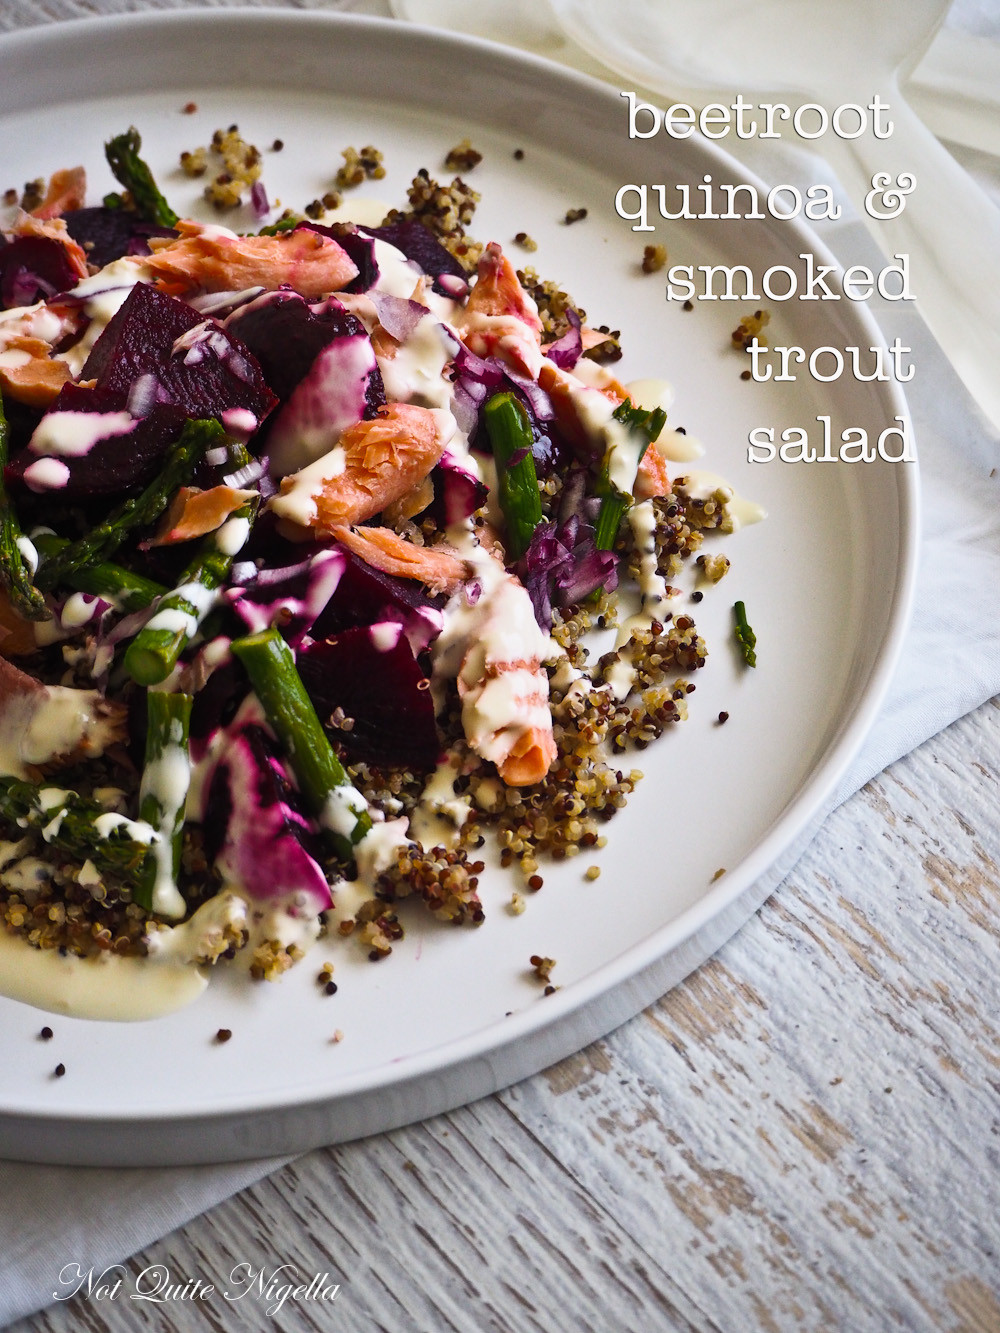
(33, 268)
(319, 360)
(109, 233)
(422, 246)
(157, 349)
(370, 674)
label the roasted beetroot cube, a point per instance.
(157, 349)
(370, 675)
(33, 268)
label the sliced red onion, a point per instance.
(258, 200)
(566, 351)
(398, 315)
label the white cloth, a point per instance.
(950, 664)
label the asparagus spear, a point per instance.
(14, 573)
(517, 483)
(132, 172)
(139, 511)
(162, 794)
(745, 635)
(154, 651)
(615, 502)
(339, 806)
(81, 829)
(115, 583)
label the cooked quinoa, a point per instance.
(749, 328)
(360, 164)
(236, 166)
(654, 257)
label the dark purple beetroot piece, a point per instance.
(109, 233)
(359, 247)
(33, 268)
(372, 675)
(209, 374)
(286, 334)
(366, 596)
(116, 462)
(423, 247)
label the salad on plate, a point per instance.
(336, 564)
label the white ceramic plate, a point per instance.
(455, 1014)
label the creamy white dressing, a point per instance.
(232, 536)
(14, 358)
(174, 621)
(135, 829)
(479, 645)
(341, 809)
(166, 780)
(78, 610)
(74, 434)
(415, 373)
(47, 474)
(701, 484)
(441, 812)
(104, 987)
(385, 635)
(28, 554)
(297, 501)
(33, 321)
(39, 725)
(105, 293)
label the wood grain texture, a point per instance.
(802, 1136)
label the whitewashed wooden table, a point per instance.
(805, 1135)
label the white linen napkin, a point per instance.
(950, 663)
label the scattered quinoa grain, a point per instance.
(518, 903)
(189, 108)
(574, 215)
(463, 157)
(59, 1070)
(550, 990)
(723, 717)
(223, 1035)
(525, 241)
(718, 874)
(518, 154)
(542, 967)
(749, 328)
(688, 305)
(593, 872)
(46, 1033)
(337, 1037)
(654, 257)
(330, 988)
(277, 146)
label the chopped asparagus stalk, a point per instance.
(139, 511)
(132, 172)
(124, 588)
(162, 794)
(616, 502)
(154, 651)
(517, 483)
(81, 829)
(25, 598)
(745, 635)
(338, 805)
